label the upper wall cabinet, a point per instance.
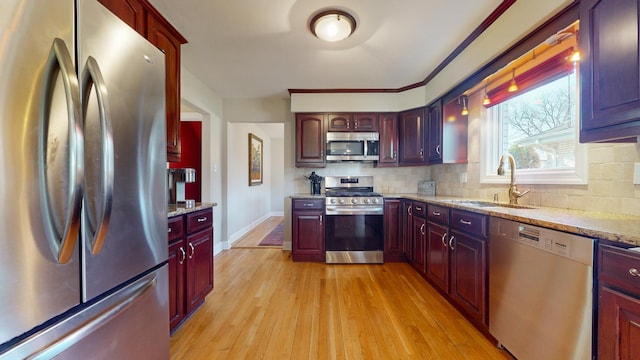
(148, 22)
(609, 70)
(434, 143)
(352, 122)
(388, 139)
(454, 128)
(412, 137)
(310, 140)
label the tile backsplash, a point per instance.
(387, 180)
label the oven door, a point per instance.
(356, 238)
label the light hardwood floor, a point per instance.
(255, 235)
(264, 306)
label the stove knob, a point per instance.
(374, 200)
(333, 201)
(366, 201)
(354, 201)
(341, 201)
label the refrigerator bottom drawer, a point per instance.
(131, 323)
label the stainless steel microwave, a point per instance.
(353, 146)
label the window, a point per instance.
(539, 127)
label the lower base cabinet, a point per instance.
(456, 260)
(619, 303)
(190, 263)
(307, 242)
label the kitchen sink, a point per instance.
(483, 204)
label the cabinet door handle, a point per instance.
(308, 205)
(436, 213)
(421, 152)
(409, 211)
(395, 154)
(438, 149)
(418, 208)
(193, 250)
(320, 219)
(634, 272)
(184, 256)
(465, 222)
(444, 240)
(422, 229)
(451, 242)
(202, 219)
(169, 231)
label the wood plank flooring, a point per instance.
(264, 306)
(255, 235)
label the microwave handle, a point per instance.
(366, 151)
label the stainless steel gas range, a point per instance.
(354, 221)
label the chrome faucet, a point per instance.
(514, 194)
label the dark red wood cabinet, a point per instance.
(618, 303)
(434, 143)
(363, 122)
(419, 251)
(407, 229)
(388, 145)
(147, 21)
(437, 246)
(340, 122)
(191, 273)
(310, 140)
(609, 71)
(457, 258)
(307, 239)
(412, 137)
(393, 245)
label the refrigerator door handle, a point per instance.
(59, 62)
(65, 342)
(92, 78)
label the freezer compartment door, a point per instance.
(131, 323)
(124, 207)
(39, 261)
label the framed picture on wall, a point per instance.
(255, 160)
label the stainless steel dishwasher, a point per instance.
(540, 291)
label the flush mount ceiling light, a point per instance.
(332, 25)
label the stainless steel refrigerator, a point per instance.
(83, 226)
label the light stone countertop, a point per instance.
(173, 210)
(612, 227)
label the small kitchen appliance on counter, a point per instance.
(176, 180)
(316, 181)
(354, 218)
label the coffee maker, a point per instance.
(176, 178)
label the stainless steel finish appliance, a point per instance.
(84, 238)
(353, 146)
(540, 291)
(176, 179)
(354, 221)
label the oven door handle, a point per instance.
(332, 210)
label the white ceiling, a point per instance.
(262, 48)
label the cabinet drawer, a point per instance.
(469, 222)
(616, 267)
(439, 214)
(308, 204)
(199, 220)
(419, 209)
(176, 228)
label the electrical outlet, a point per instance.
(463, 177)
(636, 174)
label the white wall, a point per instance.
(277, 176)
(201, 99)
(247, 205)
